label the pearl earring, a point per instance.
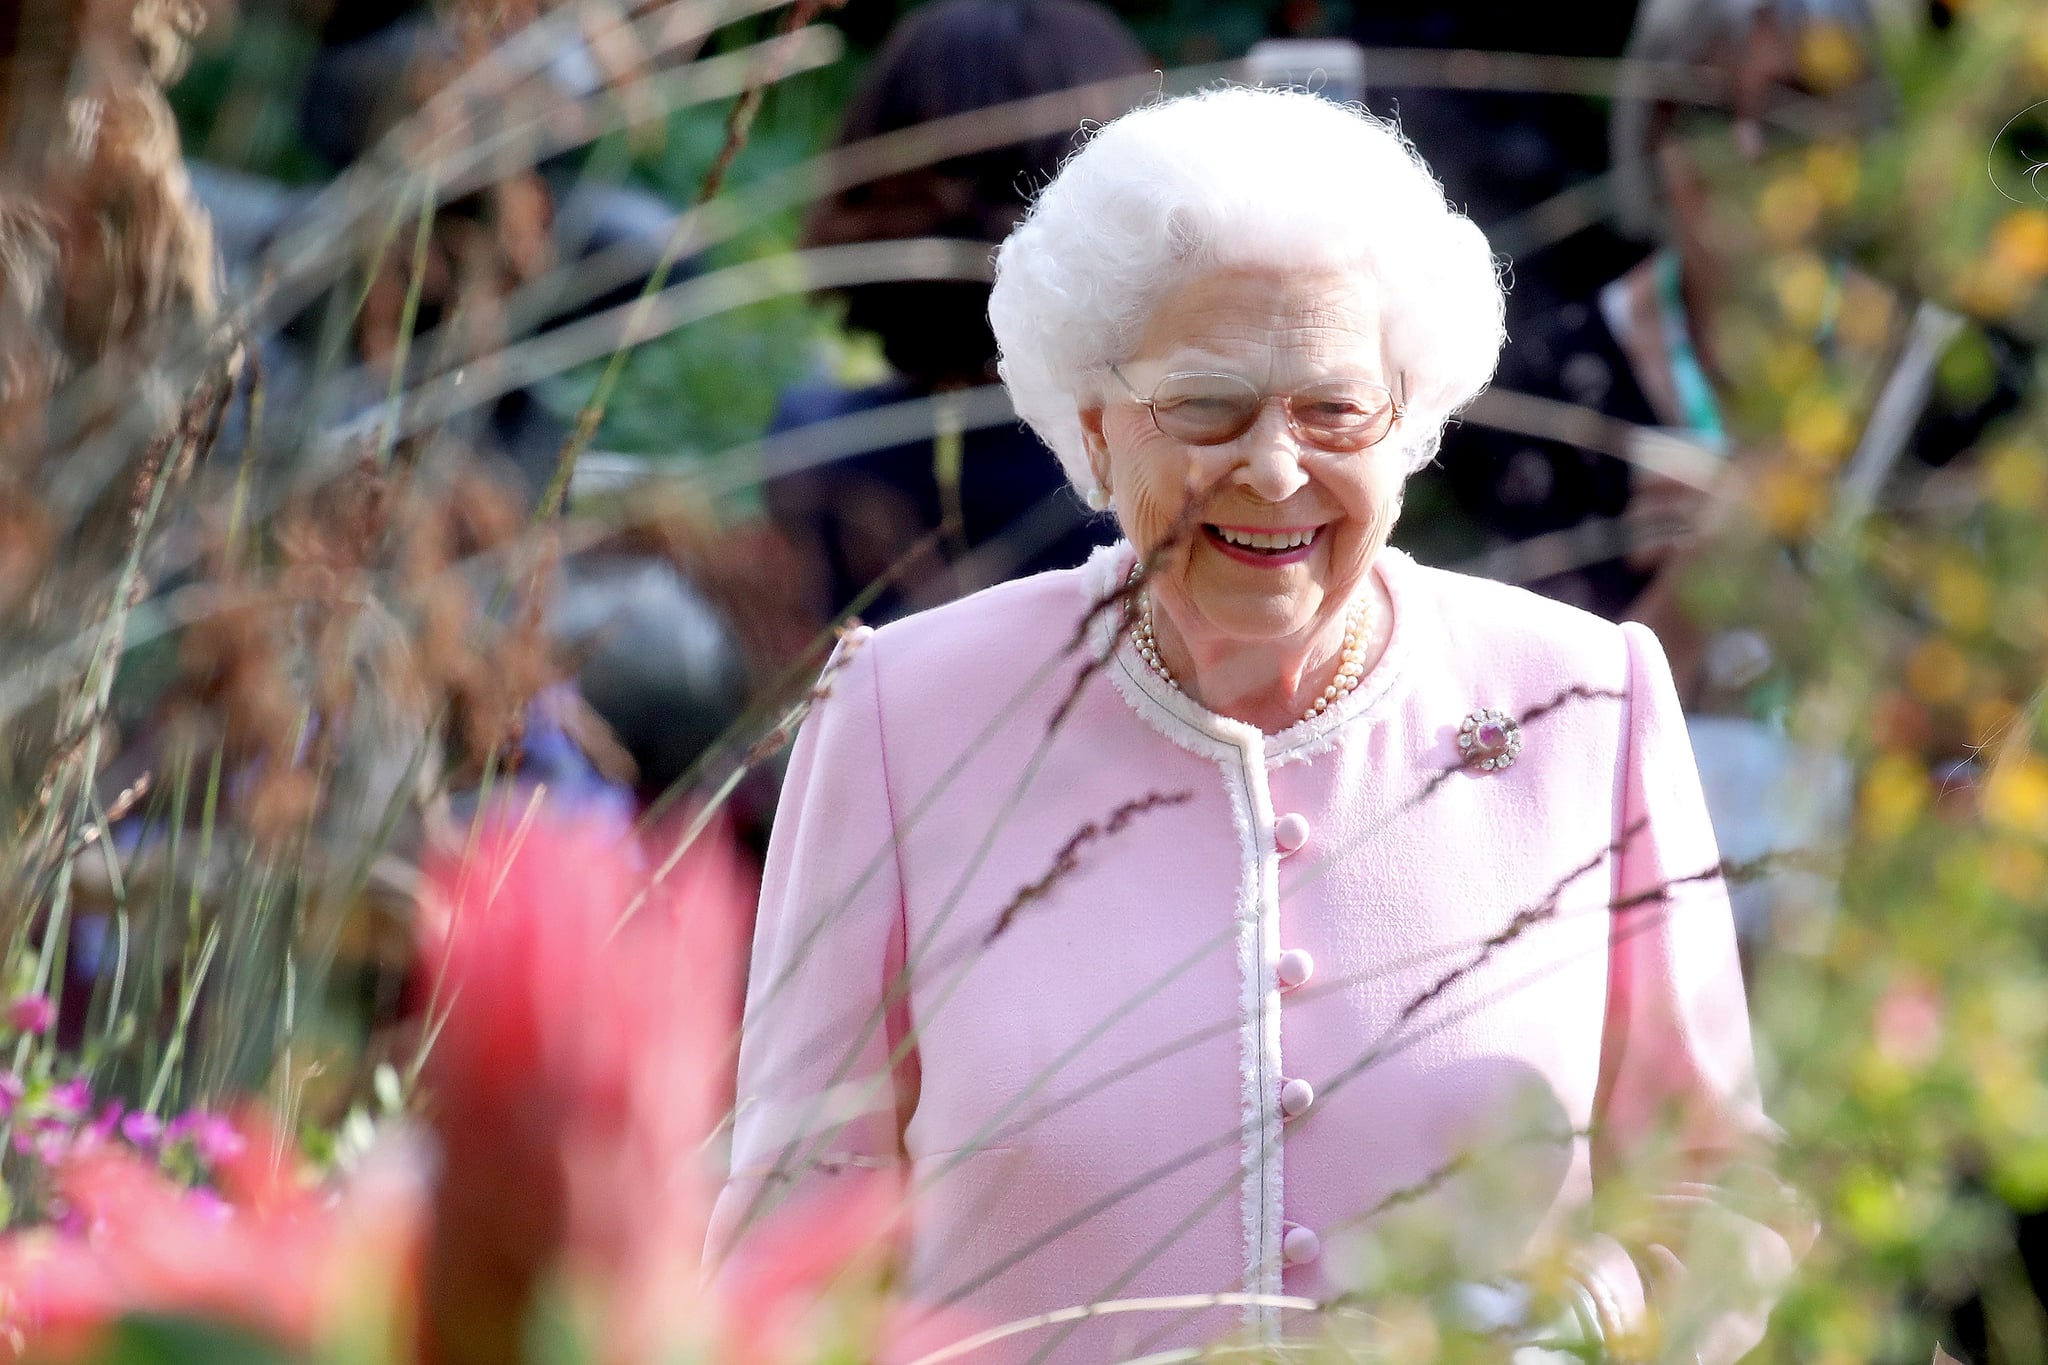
(1100, 499)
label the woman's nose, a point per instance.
(1270, 457)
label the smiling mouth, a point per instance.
(1277, 544)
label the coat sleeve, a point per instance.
(1707, 1235)
(827, 1075)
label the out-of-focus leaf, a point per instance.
(151, 1340)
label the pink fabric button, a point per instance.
(1296, 966)
(1296, 1096)
(1290, 832)
(1300, 1246)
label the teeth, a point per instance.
(1259, 540)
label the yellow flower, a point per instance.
(1828, 56)
(1791, 364)
(1990, 290)
(1866, 314)
(1788, 209)
(2037, 48)
(1832, 169)
(2013, 1102)
(1937, 672)
(2016, 795)
(1895, 791)
(1819, 430)
(2020, 243)
(2016, 477)
(1961, 596)
(2019, 871)
(1789, 501)
(1989, 719)
(1801, 283)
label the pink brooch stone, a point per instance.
(1489, 740)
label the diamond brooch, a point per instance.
(1489, 740)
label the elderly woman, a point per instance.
(1253, 915)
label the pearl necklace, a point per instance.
(1350, 667)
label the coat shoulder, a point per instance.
(1502, 627)
(1004, 632)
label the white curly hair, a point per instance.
(1238, 177)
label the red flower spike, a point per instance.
(572, 1086)
(31, 1013)
(795, 1256)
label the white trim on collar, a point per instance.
(1182, 719)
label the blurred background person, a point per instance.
(1705, 78)
(1011, 511)
(1794, 72)
(1531, 165)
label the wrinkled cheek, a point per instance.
(1388, 513)
(1354, 554)
(1149, 518)
(1154, 514)
(1158, 487)
(1386, 510)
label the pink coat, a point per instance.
(1190, 1009)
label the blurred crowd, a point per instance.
(1599, 468)
(1595, 471)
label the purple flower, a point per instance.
(213, 1138)
(74, 1096)
(142, 1129)
(210, 1204)
(31, 1013)
(51, 1145)
(104, 1126)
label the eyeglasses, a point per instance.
(1202, 408)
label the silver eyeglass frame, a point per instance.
(1396, 399)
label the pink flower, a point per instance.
(580, 1070)
(798, 1253)
(50, 1144)
(214, 1139)
(58, 1292)
(1907, 1023)
(254, 1259)
(31, 1013)
(108, 1123)
(269, 1252)
(11, 1091)
(209, 1205)
(73, 1097)
(576, 1078)
(142, 1129)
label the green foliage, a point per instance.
(708, 386)
(1900, 1015)
(238, 105)
(711, 385)
(144, 1339)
